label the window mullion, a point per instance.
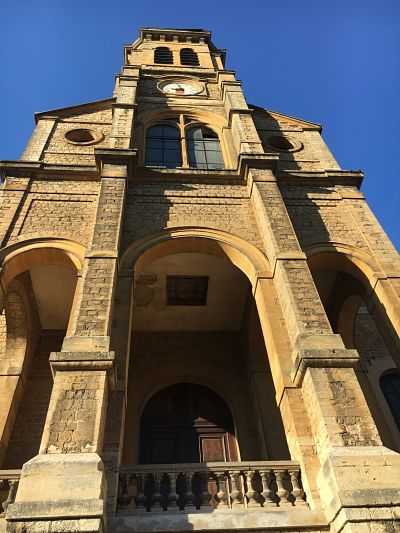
(185, 160)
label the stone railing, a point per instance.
(209, 486)
(9, 480)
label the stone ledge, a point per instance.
(323, 358)
(84, 361)
(357, 515)
(266, 520)
(362, 477)
(80, 525)
(60, 509)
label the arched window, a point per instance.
(390, 385)
(189, 57)
(204, 150)
(163, 56)
(163, 146)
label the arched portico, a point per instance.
(38, 280)
(359, 303)
(379, 293)
(265, 313)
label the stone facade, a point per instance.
(296, 329)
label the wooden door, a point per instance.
(186, 423)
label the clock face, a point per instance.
(179, 88)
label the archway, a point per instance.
(38, 282)
(195, 320)
(357, 313)
(186, 423)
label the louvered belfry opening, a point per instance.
(163, 55)
(189, 57)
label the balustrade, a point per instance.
(9, 480)
(209, 486)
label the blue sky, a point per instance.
(334, 62)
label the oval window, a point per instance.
(83, 136)
(283, 144)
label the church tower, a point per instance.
(199, 316)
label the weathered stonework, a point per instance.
(265, 280)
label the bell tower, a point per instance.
(199, 315)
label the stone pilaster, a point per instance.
(66, 481)
(40, 136)
(239, 115)
(356, 472)
(12, 196)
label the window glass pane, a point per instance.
(154, 155)
(155, 131)
(209, 134)
(390, 385)
(212, 145)
(163, 146)
(172, 144)
(204, 153)
(194, 133)
(213, 157)
(196, 145)
(172, 155)
(172, 164)
(170, 132)
(154, 143)
(196, 156)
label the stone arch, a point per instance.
(199, 380)
(24, 329)
(362, 308)
(213, 120)
(255, 267)
(246, 257)
(20, 257)
(377, 290)
(219, 415)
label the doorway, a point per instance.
(186, 423)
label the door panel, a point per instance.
(212, 448)
(186, 423)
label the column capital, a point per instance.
(84, 361)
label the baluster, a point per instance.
(236, 492)
(12, 491)
(297, 491)
(267, 493)
(140, 498)
(172, 496)
(157, 497)
(205, 494)
(124, 499)
(189, 504)
(281, 491)
(251, 494)
(222, 490)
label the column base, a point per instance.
(59, 493)
(360, 485)
(366, 520)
